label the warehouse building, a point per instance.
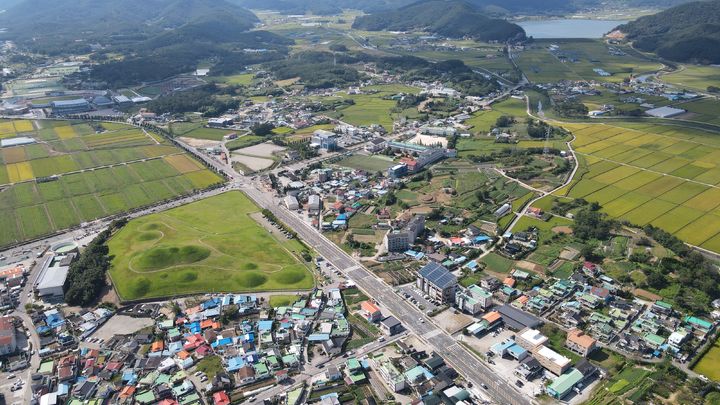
(62, 107)
(50, 281)
(665, 112)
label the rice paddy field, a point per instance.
(662, 175)
(212, 245)
(74, 174)
(694, 77)
(581, 56)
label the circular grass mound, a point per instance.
(149, 235)
(151, 226)
(251, 279)
(140, 287)
(288, 277)
(188, 276)
(163, 257)
(250, 266)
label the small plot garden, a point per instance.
(211, 245)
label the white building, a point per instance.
(473, 299)
(291, 203)
(529, 339)
(314, 204)
(50, 281)
(396, 241)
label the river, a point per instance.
(568, 28)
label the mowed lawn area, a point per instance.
(211, 245)
(78, 175)
(652, 174)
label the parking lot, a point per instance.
(118, 325)
(417, 298)
(504, 366)
(14, 395)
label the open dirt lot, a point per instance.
(260, 150)
(254, 163)
(121, 325)
(451, 321)
(199, 143)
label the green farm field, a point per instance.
(211, 245)
(581, 56)
(652, 174)
(694, 77)
(102, 175)
(707, 365)
(372, 108)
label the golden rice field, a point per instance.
(652, 174)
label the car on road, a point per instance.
(11, 376)
(484, 386)
(519, 383)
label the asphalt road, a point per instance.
(467, 364)
(464, 361)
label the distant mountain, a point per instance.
(686, 33)
(325, 7)
(453, 19)
(56, 21)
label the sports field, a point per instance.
(98, 174)
(211, 245)
(666, 176)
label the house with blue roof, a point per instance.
(265, 325)
(235, 364)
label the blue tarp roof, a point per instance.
(265, 325)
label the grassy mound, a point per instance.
(289, 277)
(251, 279)
(163, 257)
(211, 245)
(148, 236)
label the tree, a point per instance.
(263, 129)
(504, 121)
(591, 224)
(390, 198)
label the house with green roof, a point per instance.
(290, 361)
(564, 384)
(653, 341)
(698, 326)
(354, 371)
(261, 371)
(145, 398)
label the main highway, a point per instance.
(415, 321)
(464, 361)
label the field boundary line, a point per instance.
(649, 170)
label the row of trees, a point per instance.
(86, 277)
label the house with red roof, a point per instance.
(221, 398)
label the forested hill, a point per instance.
(52, 23)
(325, 7)
(454, 19)
(686, 33)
